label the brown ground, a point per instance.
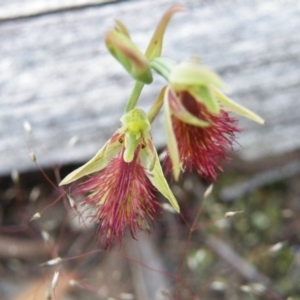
(199, 254)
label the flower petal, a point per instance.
(171, 140)
(234, 107)
(181, 113)
(129, 55)
(155, 46)
(148, 159)
(156, 106)
(193, 74)
(155, 174)
(120, 26)
(99, 161)
(204, 94)
(203, 148)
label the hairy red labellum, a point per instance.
(203, 148)
(122, 196)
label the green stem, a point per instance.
(134, 96)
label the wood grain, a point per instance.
(56, 73)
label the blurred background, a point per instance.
(61, 97)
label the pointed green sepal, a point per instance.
(154, 48)
(120, 26)
(156, 106)
(99, 161)
(191, 73)
(150, 161)
(171, 139)
(234, 107)
(157, 178)
(129, 55)
(149, 156)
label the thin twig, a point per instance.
(248, 271)
(147, 283)
(238, 190)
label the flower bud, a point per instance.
(129, 55)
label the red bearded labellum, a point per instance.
(202, 148)
(122, 196)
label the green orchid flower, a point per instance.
(125, 173)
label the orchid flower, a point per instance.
(200, 131)
(125, 174)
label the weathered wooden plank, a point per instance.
(56, 73)
(16, 9)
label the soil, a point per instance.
(241, 241)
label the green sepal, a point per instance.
(203, 94)
(171, 139)
(99, 161)
(129, 55)
(156, 106)
(237, 108)
(163, 66)
(150, 161)
(157, 178)
(154, 48)
(120, 26)
(189, 74)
